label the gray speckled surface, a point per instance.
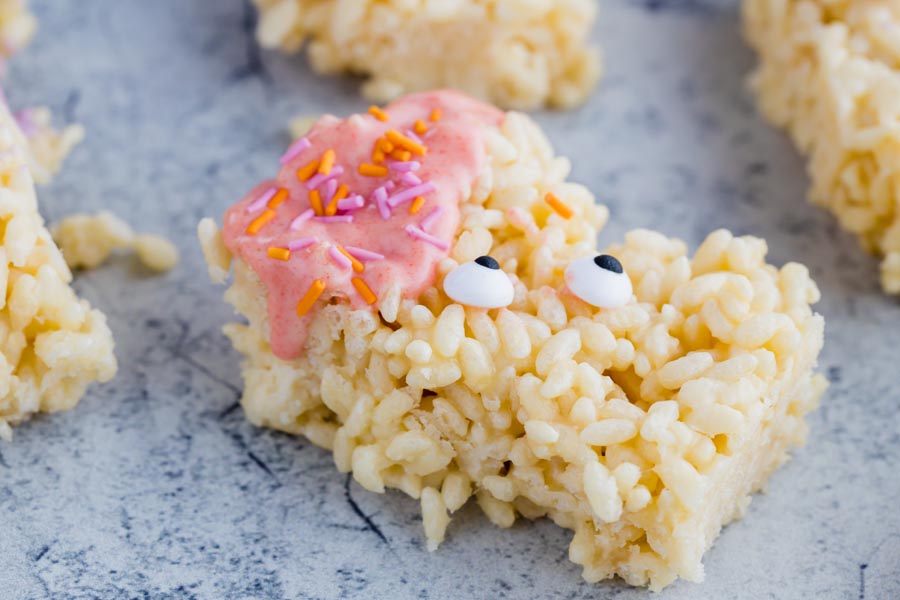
(156, 487)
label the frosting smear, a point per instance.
(360, 205)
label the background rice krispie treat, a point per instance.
(17, 26)
(830, 74)
(643, 426)
(52, 344)
(515, 53)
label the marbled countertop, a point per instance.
(156, 486)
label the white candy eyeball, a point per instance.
(479, 283)
(600, 281)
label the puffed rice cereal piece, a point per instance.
(17, 26)
(644, 427)
(516, 53)
(829, 74)
(52, 344)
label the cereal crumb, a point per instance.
(155, 252)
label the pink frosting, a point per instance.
(455, 157)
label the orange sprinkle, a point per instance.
(278, 199)
(259, 221)
(357, 266)
(372, 170)
(559, 206)
(401, 155)
(327, 162)
(435, 115)
(339, 195)
(377, 156)
(385, 145)
(364, 290)
(416, 206)
(310, 297)
(378, 113)
(279, 253)
(315, 200)
(404, 142)
(420, 127)
(307, 170)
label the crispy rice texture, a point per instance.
(829, 74)
(52, 344)
(643, 429)
(515, 53)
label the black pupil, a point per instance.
(610, 263)
(487, 261)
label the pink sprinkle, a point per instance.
(339, 258)
(318, 179)
(329, 189)
(301, 243)
(432, 217)
(305, 216)
(403, 167)
(390, 185)
(363, 254)
(411, 179)
(295, 150)
(410, 194)
(352, 203)
(335, 219)
(261, 202)
(413, 136)
(421, 235)
(381, 201)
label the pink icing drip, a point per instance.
(381, 238)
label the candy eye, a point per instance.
(479, 283)
(600, 281)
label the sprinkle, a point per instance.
(372, 170)
(294, 151)
(352, 203)
(301, 243)
(431, 218)
(378, 114)
(420, 127)
(327, 162)
(307, 170)
(357, 266)
(260, 202)
(318, 179)
(340, 258)
(385, 146)
(310, 297)
(305, 216)
(411, 193)
(389, 185)
(380, 196)
(336, 219)
(278, 199)
(363, 254)
(401, 155)
(416, 206)
(410, 179)
(421, 235)
(315, 201)
(279, 253)
(412, 135)
(435, 115)
(332, 207)
(329, 190)
(404, 167)
(559, 206)
(259, 221)
(405, 142)
(377, 156)
(364, 290)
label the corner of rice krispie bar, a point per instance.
(514, 53)
(829, 74)
(440, 319)
(52, 344)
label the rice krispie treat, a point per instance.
(830, 74)
(515, 53)
(17, 26)
(52, 344)
(425, 299)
